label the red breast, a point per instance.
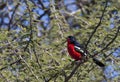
(73, 53)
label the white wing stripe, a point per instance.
(80, 50)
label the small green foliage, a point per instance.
(44, 57)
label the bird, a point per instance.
(77, 51)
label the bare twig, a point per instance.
(53, 9)
(9, 25)
(61, 71)
(36, 56)
(3, 77)
(41, 3)
(72, 73)
(47, 11)
(96, 27)
(116, 34)
(31, 28)
(77, 66)
(48, 80)
(17, 61)
(42, 6)
(29, 67)
(112, 51)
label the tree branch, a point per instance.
(75, 69)
(36, 56)
(116, 34)
(72, 73)
(41, 3)
(77, 66)
(29, 67)
(17, 61)
(9, 25)
(31, 28)
(3, 77)
(96, 26)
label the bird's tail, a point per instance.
(98, 62)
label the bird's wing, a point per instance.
(80, 50)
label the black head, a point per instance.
(71, 39)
